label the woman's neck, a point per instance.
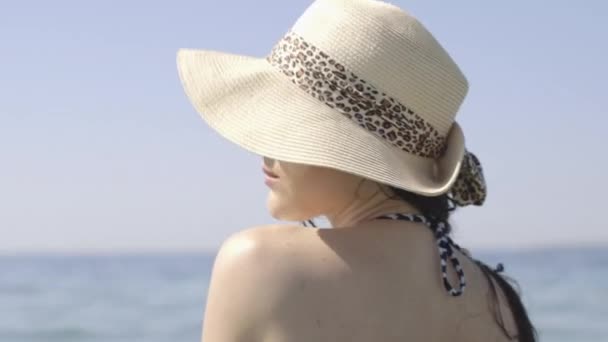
(363, 209)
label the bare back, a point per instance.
(381, 282)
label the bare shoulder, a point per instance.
(252, 276)
(263, 250)
(256, 244)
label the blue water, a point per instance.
(162, 298)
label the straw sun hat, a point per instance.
(355, 85)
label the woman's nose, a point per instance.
(268, 162)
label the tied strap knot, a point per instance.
(446, 246)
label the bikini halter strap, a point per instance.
(445, 245)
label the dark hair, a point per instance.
(437, 209)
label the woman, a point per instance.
(354, 114)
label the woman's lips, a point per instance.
(271, 178)
(269, 174)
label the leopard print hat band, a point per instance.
(325, 79)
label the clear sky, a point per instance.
(101, 151)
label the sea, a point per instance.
(154, 298)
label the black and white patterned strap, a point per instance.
(445, 246)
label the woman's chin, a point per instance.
(274, 206)
(280, 210)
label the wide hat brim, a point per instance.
(251, 103)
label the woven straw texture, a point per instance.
(251, 103)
